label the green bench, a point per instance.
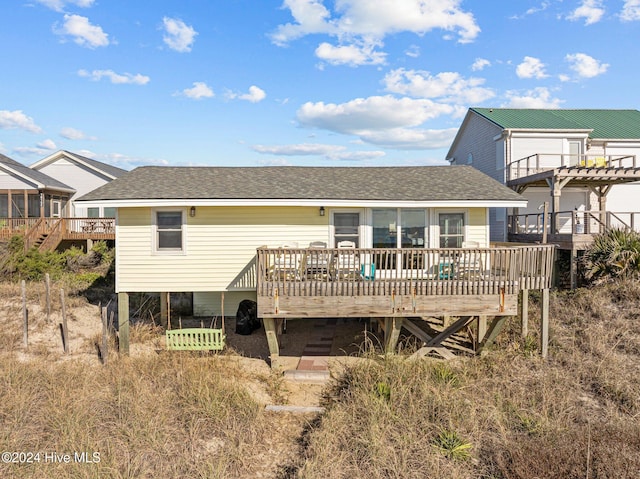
(195, 339)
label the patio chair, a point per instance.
(469, 263)
(288, 264)
(318, 261)
(347, 265)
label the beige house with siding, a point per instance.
(390, 243)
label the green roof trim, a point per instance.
(604, 124)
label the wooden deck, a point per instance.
(381, 282)
(47, 233)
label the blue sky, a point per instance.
(296, 82)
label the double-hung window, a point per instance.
(169, 231)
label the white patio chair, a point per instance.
(347, 264)
(318, 261)
(287, 265)
(469, 263)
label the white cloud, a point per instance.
(59, 5)
(531, 11)
(364, 18)
(47, 144)
(17, 120)
(177, 35)
(449, 87)
(531, 67)
(255, 95)
(117, 78)
(590, 10)
(352, 55)
(361, 25)
(586, 66)
(381, 120)
(480, 64)
(198, 91)
(413, 51)
(73, 134)
(630, 11)
(43, 148)
(537, 98)
(83, 33)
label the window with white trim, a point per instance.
(451, 230)
(169, 230)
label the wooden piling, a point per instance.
(65, 330)
(25, 316)
(47, 289)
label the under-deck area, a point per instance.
(395, 286)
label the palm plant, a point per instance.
(613, 254)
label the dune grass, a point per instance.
(503, 416)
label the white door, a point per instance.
(55, 208)
(574, 153)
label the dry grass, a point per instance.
(507, 415)
(177, 416)
(576, 415)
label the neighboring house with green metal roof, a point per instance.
(83, 175)
(197, 229)
(583, 163)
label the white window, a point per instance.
(169, 227)
(346, 227)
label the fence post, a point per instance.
(65, 331)
(25, 316)
(47, 288)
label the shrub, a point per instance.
(614, 254)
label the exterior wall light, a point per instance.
(192, 211)
(322, 211)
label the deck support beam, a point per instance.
(392, 327)
(492, 333)
(123, 323)
(164, 309)
(544, 324)
(524, 313)
(270, 327)
(481, 331)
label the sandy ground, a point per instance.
(266, 384)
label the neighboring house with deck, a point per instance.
(37, 201)
(307, 242)
(584, 164)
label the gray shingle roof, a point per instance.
(44, 181)
(426, 183)
(99, 165)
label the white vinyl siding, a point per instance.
(10, 182)
(80, 178)
(209, 304)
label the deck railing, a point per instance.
(574, 222)
(48, 232)
(393, 271)
(540, 162)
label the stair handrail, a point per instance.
(54, 236)
(32, 233)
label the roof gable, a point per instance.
(97, 166)
(601, 124)
(419, 184)
(38, 178)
